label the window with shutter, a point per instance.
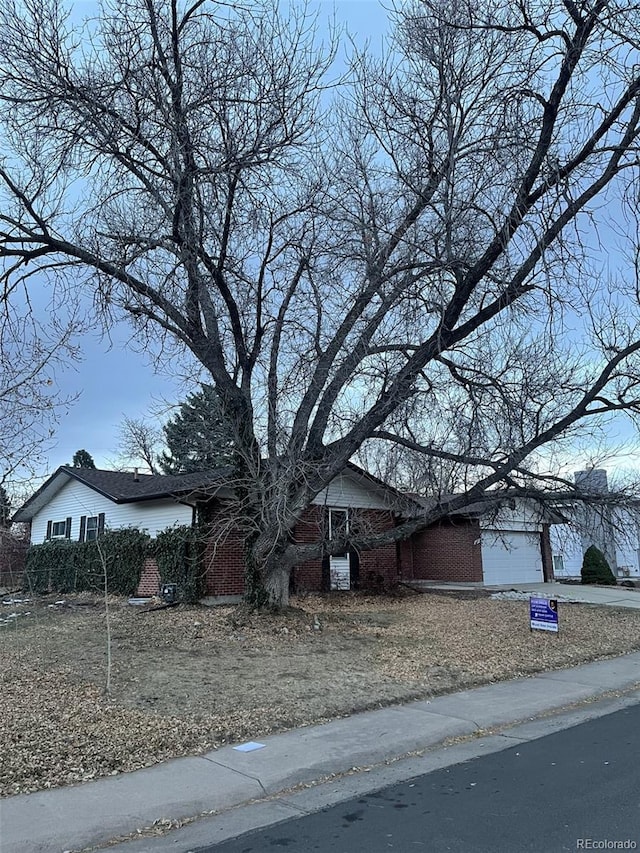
(92, 528)
(58, 529)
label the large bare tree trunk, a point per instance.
(277, 586)
(266, 578)
(255, 590)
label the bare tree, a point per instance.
(140, 441)
(30, 402)
(410, 260)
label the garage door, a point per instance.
(511, 558)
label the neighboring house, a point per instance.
(484, 544)
(621, 546)
(614, 530)
(503, 545)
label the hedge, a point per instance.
(63, 566)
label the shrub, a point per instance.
(63, 566)
(57, 566)
(595, 568)
(178, 553)
(124, 552)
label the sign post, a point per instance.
(543, 614)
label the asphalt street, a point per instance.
(578, 789)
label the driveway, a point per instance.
(609, 596)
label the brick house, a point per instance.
(504, 546)
(375, 569)
(353, 499)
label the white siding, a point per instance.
(75, 499)
(348, 491)
(627, 543)
(566, 543)
(628, 562)
(571, 541)
(340, 572)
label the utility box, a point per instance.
(169, 592)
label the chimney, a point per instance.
(595, 519)
(135, 475)
(592, 480)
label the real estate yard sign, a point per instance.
(543, 614)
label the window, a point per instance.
(58, 529)
(558, 564)
(338, 523)
(92, 528)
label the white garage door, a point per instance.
(511, 557)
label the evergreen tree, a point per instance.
(197, 437)
(595, 568)
(82, 459)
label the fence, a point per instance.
(13, 552)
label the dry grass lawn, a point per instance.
(187, 679)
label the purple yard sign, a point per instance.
(543, 614)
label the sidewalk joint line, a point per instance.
(293, 805)
(239, 772)
(442, 714)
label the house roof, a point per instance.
(494, 502)
(124, 486)
(474, 509)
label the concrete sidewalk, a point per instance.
(72, 818)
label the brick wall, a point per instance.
(379, 567)
(223, 562)
(374, 569)
(308, 576)
(224, 565)
(447, 551)
(224, 556)
(406, 567)
(149, 579)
